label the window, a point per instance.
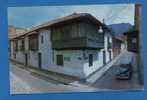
(97, 56)
(67, 58)
(74, 30)
(110, 55)
(108, 40)
(109, 44)
(15, 45)
(134, 43)
(14, 55)
(42, 39)
(53, 56)
(66, 31)
(90, 59)
(22, 46)
(134, 40)
(33, 42)
(60, 60)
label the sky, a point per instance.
(27, 17)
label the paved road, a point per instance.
(23, 81)
(108, 81)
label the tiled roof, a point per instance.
(62, 20)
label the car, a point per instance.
(124, 72)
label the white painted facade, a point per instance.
(97, 62)
(76, 62)
(17, 55)
(73, 63)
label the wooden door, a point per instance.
(90, 59)
(59, 59)
(104, 58)
(26, 59)
(39, 60)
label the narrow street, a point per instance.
(23, 81)
(109, 81)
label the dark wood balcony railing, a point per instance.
(79, 42)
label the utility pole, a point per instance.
(140, 66)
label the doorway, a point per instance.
(60, 61)
(90, 60)
(39, 60)
(110, 55)
(26, 59)
(104, 57)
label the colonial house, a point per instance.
(76, 45)
(131, 38)
(14, 32)
(118, 45)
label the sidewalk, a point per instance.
(59, 78)
(23, 81)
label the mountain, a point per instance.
(120, 28)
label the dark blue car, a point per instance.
(124, 72)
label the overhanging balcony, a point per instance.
(78, 43)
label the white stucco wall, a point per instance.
(20, 57)
(45, 49)
(97, 61)
(105, 46)
(33, 58)
(72, 67)
(19, 54)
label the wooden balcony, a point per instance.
(78, 43)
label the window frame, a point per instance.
(59, 62)
(33, 42)
(15, 46)
(42, 39)
(90, 60)
(22, 46)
